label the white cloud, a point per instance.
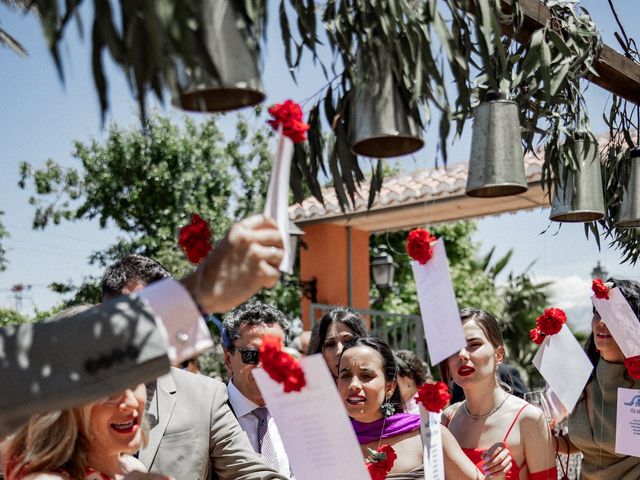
(571, 293)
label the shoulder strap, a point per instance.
(515, 419)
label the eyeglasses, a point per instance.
(250, 356)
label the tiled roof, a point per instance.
(414, 187)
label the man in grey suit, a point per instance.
(193, 433)
(62, 364)
(244, 330)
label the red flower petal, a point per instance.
(632, 364)
(419, 245)
(551, 321)
(289, 115)
(536, 336)
(433, 396)
(600, 289)
(281, 366)
(195, 239)
(380, 468)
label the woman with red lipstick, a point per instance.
(489, 413)
(367, 381)
(592, 424)
(90, 442)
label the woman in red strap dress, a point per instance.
(490, 414)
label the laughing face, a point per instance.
(361, 383)
(115, 422)
(478, 360)
(609, 349)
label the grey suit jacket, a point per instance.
(50, 366)
(194, 435)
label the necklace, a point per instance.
(491, 412)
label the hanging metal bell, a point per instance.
(629, 214)
(580, 197)
(235, 61)
(496, 163)
(383, 124)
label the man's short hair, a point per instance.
(254, 313)
(133, 267)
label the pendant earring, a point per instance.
(387, 409)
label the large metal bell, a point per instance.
(496, 163)
(629, 214)
(235, 61)
(579, 196)
(383, 124)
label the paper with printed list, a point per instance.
(313, 424)
(564, 365)
(438, 306)
(277, 202)
(620, 321)
(432, 444)
(628, 422)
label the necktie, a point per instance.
(265, 445)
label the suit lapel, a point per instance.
(159, 414)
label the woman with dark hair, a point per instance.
(592, 424)
(367, 384)
(489, 413)
(337, 326)
(411, 374)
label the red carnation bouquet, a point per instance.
(195, 239)
(419, 245)
(433, 396)
(632, 364)
(600, 289)
(549, 323)
(281, 366)
(288, 115)
(380, 462)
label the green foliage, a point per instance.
(524, 300)
(12, 317)
(148, 182)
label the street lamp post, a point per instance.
(599, 272)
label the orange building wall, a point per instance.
(326, 258)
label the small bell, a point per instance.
(496, 163)
(629, 214)
(239, 83)
(384, 125)
(580, 197)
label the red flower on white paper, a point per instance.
(600, 289)
(551, 321)
(632, 364)
(433, 396)
(281, 366)
(536, 336)
(288, 114)
(419, 245)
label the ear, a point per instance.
(390, 388)
(499, 355)
(227, 361)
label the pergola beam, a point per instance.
(616, 73)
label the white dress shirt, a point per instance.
(242, 407)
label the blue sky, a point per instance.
(41, 117)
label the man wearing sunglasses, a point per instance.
(244, 329)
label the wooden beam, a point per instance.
(616, 73)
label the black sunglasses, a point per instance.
(250, 356)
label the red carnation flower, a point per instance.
(289, 115)
(433, 396)
(380, 462)
(419, 245)
(281, 366)
(536, 336)
(195, 239)
(551, 321)
(632, 364)
(600, 289)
